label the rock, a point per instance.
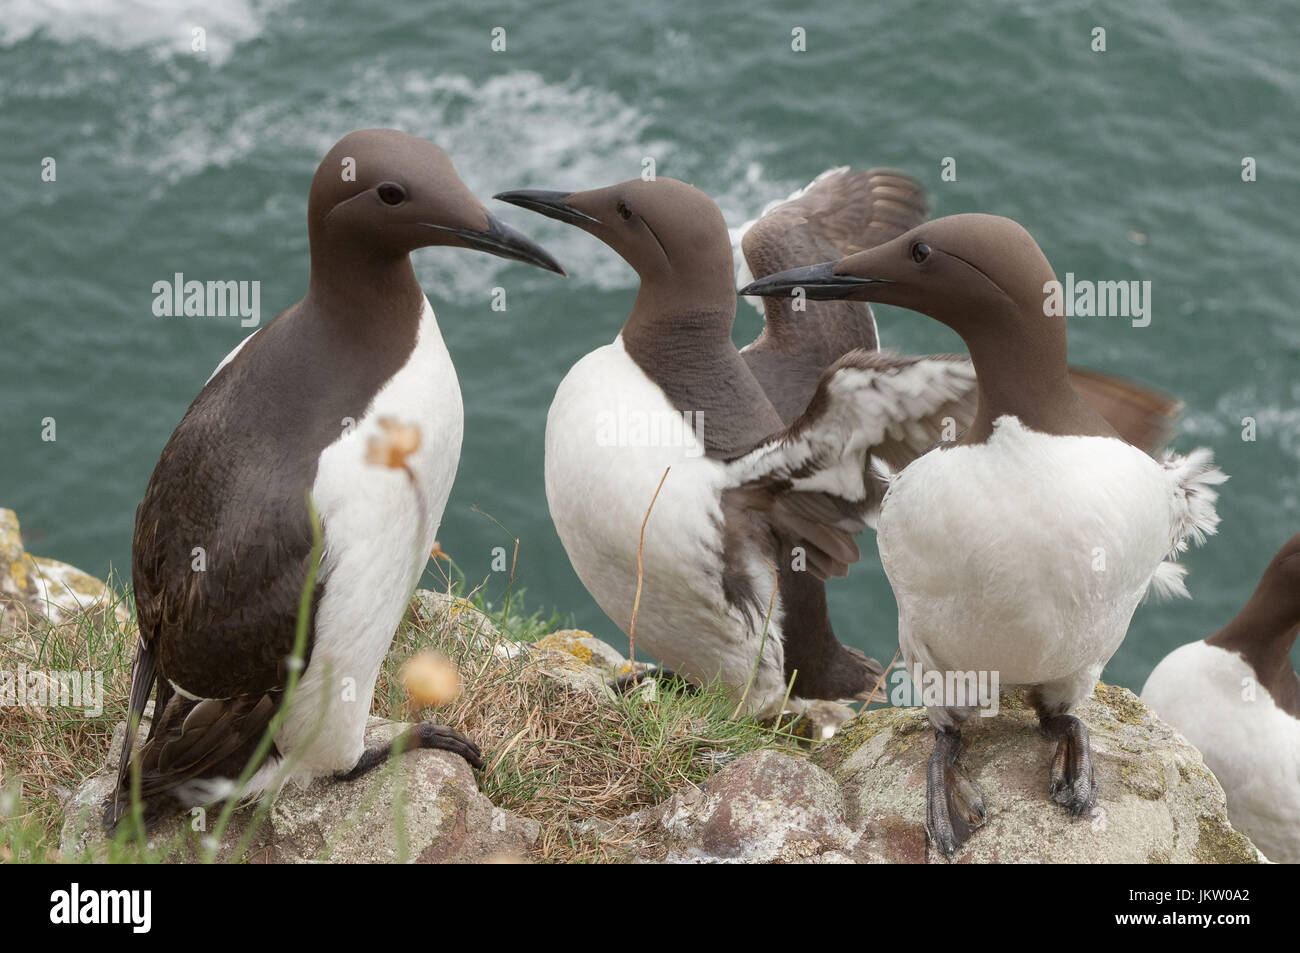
(587, 649)
(572, 656)
(35, 589)
(453, 614)
(1157, 801)
(765, 807)
(445, 817)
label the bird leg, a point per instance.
(1073, 783)
(424, 735)
(954, 804)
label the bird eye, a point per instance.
(623, 211)
(391, 194)
(920, 252)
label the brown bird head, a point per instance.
(383, 192)
(663, 228)
(968, 271)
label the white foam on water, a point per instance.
(165, 27)
(512, 130)
(1273, 423)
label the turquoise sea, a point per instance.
(1125, 164)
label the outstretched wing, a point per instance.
(1143, 416)
(839, 213)
(818, 481)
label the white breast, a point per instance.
(379, 527)
(1253, 747)
(610, 434)
(1026, 554)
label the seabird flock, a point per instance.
(1022, 507)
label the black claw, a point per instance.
(1073, 782)
(428, 735)
(423, 735)
(954, 804)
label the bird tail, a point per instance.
(1167, 582)
(1194, 478)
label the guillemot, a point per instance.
(223, 536)
(1236, 698)
(710, 558)
(1024, 548)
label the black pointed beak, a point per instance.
(550, 204)
(819, 283)
(502, 240)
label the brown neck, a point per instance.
(362, 286)
(1263, 634)
(683, 343)
(1020, 363)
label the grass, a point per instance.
(45, 752)
(569, 758)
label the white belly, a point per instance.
(379, 527)
(610, 434)
(1212, 697)
(1025, 555)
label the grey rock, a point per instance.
(430, 802)
(1157, 801)
(765, 807)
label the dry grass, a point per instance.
(45, 752)
(558, 754)
(564, 755)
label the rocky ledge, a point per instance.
(35, 590)
(856, 798)
(860, 797)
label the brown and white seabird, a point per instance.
(1236, 697)
(673, 391)
(718, 533)
(293, 410)
(1025, 548)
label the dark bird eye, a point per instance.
(920, 252)
(624, 212)
(391, 194)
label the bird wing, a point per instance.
(217, 571)
(839, 213)
(816, 482)
(1143, 416)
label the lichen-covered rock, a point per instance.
(572, 656)
(36, 589)
(765, 807)
(588, 649)
(448, 613)
(1157, 801)
(427, 809)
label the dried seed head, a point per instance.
(430, 679)
(391, 448)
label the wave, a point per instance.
(162, 26)
(512, 130)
